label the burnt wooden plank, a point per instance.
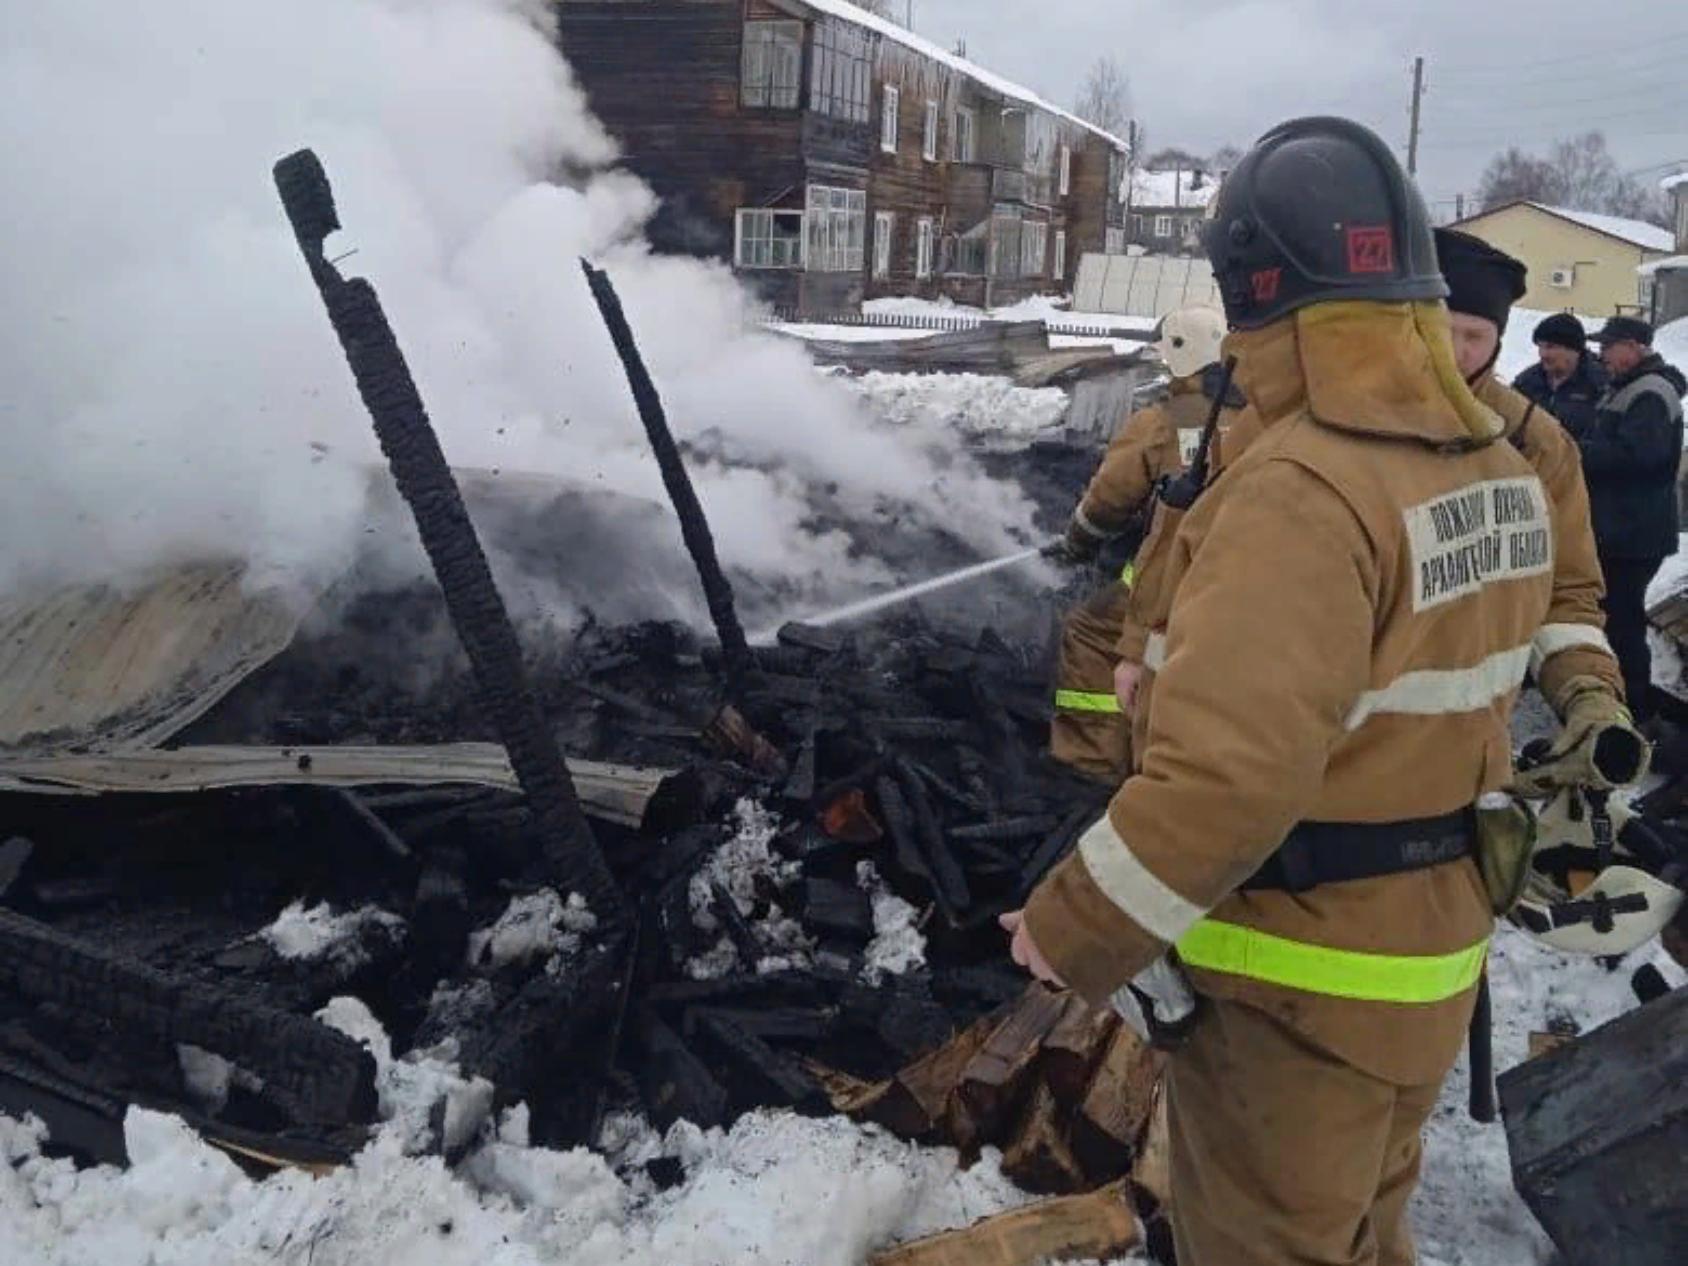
(1039, 1158)
(996, 1079)
(1109, 1124)
(1598, 1129)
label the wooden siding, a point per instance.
(664, 77)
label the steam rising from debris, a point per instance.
(170, 388)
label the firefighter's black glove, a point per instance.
(1078, 548)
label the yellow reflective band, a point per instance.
(1128, 574)
(1085, 701)
(1240, 951)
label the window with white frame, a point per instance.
(1060, 254)
(772, 74)
(1034, 245)
(929, 145)
(1115, 242)
(1066, 170)
(769, 239)
(840, 72)
(961, 136)
(884, 225)
(923, 247)
(837, 229)
(1163, 226)
(888, 111)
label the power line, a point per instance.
(1627, 91)
(1654, 42)
(1494, 142)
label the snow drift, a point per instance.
(171, 388)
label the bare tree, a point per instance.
(1585, 173)
(1578, 172)
(1172, 156)
(1517, 177)
(1225, 158)
(1105, 99)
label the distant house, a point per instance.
(1578, 261)
(1166, 210)
(830, 156)
(1664, 282)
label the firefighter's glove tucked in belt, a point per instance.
(1598, 749)
(1077, 548)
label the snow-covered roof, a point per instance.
(1637, 232)
(1671, 182)
(845, 11)
(1172, 188)
(1668, 263)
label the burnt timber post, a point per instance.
(694, 526)
(448, 535)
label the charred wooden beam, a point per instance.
(694, 526)
(1004, 830)
(729, 733)
(949, 881)
(448, 535)
(835, 908)
(735, 926)
(674, 1083)
(1057, 845)
(14, 856)
(1108, 1127)
(762, 1074)
(311, 1073)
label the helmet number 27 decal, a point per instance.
(1371, 249)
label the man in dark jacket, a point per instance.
(1566, 381)
(1630, 454)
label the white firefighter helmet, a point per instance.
(1594, 885)
(1188, 340)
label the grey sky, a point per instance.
(1206, 72)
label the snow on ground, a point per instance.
(847, 333)
(541, 923)
(776, 1190)
(738, 869)
(310, 933)
(973, 404)
(897, 946)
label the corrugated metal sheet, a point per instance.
(1143, 285)
(103, 669)
(613, 793)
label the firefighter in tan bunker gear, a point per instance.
(1089, 732)
(1355, 605)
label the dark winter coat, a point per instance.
(1573, 401)
(1630, 455)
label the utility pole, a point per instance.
(1418, 98)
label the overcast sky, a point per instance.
(1498, 72)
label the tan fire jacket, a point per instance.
(1151, 595)
(1573, 642)
(1155, 442)
(1356, 604)
(1571, 645)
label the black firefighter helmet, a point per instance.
(1319, 210)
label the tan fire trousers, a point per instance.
(1282, 1155)
(1090, 733)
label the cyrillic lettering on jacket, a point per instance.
(1495, 530)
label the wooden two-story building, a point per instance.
(831, 156)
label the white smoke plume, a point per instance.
(169, 384)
